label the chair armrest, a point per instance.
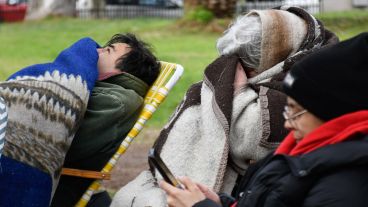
(86, 173)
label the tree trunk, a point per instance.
(98, 7)
(220, 8)
(38, 9)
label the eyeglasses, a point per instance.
(292, 117)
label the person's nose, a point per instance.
(288, 125)
(99, 50)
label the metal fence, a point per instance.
(134, 11)
(130, 11)
(312, 6)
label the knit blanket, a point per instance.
(3, 123)
(216, 132)
(46, 103)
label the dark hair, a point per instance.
(140, 61)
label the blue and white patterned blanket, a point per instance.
(46, 103)
(3, 122)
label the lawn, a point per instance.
(27, 43)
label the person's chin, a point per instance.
(297, 137)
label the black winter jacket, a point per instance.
(334, 175)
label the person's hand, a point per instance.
(240, 79)
(191, 195)
(210, 194)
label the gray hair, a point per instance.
(244, 39)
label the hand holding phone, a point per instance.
(155, 160)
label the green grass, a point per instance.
(346, 24)
(33, 42)
(27, 43)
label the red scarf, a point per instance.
(331, 132)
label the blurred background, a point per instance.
(181, 31)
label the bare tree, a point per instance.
(38, 9)
(98, 6)
(220, 8)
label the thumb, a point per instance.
(169, 189)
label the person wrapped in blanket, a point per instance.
(323, 161)
(233, 117)
(126, 68)
(89, 95)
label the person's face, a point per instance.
(299, 120)
(107, 56)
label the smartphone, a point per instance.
(155, 160)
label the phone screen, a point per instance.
(156, 161)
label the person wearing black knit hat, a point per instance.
(324, 159)
(330, 82)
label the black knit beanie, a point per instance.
(332, 81)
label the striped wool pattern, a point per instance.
(45, 104)
(3, 122)
(42, 117)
